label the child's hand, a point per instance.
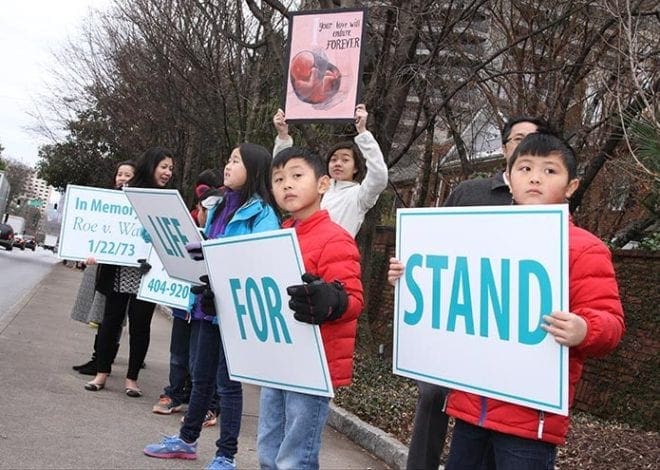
(90, 261)
(395, 271)
(361, 118)
(568, 328)
(279, 121)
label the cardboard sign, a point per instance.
(158, 287)
(167, 220)
(324, 70)
(264, 344)
(100, 223)
(469, 306)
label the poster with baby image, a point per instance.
(323, 78)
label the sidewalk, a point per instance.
(50, 421)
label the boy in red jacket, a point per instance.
(291, 423)
(492, 434)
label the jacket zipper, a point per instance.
(484, 409)
(539, 433)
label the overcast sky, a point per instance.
(30, 31)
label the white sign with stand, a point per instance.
(264, 344)
(100, 223)
(158, 287)
(167, 220)
(469, 306)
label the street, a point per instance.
(20, 271)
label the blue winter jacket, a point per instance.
(252, 217)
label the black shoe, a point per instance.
(85, 365)
(88, 369)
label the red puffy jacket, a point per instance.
(594, 295)
(330, 252)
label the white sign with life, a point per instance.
(158, 287)
(263, 343)
(469, 306)
(167, 220)
(100, 223)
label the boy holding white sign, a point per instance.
(491, 433)
(291, 423)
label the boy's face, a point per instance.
(540, 180)
(296, 188)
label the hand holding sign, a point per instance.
(208, 297)
(316, 301)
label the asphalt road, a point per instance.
(20, 271)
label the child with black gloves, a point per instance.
(291, 423)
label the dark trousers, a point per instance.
(474, 447)
(210, 371)
(429, 428)
(139, 330)
(183, 352)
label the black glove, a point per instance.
(207, 300)
(317, 301)
(144, 267)
(194, 249)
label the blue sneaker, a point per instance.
(172, 447)
(221, 463)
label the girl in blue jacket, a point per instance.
(245, 207)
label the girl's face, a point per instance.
(540, 180)
(124, 174)
(163, 172)
(235, 171)
(341, 165)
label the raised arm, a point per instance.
(283, 139)
(375, 181)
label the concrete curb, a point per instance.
(381, 444)
(374, 440)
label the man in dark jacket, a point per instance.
(430, 426)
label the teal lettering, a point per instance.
(461, 285)
(437, 264)
(412, 318)
(527, 269)
(235, 286)
(489, 297)
(274, 305)
(252, 291)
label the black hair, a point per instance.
(256, 160)
(312, 159)
(146, 166)
(358, 158)
(541, 125)
(543, 144)
(130, 163)
(211, 177)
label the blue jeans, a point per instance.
(210, 371)
(290, 429)
(474, 447)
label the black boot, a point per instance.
(86, 365)
(89, 368)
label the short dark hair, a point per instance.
(540, 123)
(312, 159)
(543, 144)
(358, 158)
(146, 166)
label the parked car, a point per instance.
(30, 243)
(19, 242)
(6, 237)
